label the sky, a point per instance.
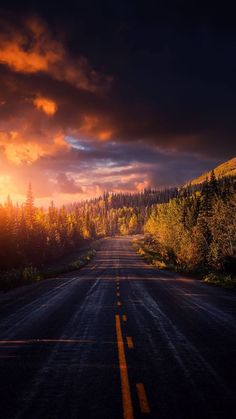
(113, 96)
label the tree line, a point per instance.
(32, 236)
(196, 231)
(192, 227)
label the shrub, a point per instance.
(30, 273)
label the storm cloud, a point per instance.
(114, 97)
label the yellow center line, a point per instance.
(125, 387)
(143, 401)
(124, 318)
(130, 342)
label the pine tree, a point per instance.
(213, 187)
(29, 207)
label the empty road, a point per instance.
(118, 339)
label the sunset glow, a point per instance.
(64, 112)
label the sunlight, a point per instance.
(5, 183)
(23, 152)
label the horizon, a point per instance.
(21, 199)
(67, 200)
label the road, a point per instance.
(118, 339)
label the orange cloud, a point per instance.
(33, 50)
(14, 56)
(96, 127)
(46, 105)
(141, 186)
(41, 53)
(21, 150)
(90, 122)
(105, 135)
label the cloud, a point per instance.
(67, 184)
(31, 49)
(20, 148)
(95, 127)
(161, 119)
(190, 116)
(48, 106)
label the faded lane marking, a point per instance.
(125, 387)
(124, 318)
(143, 401)
(130, 342)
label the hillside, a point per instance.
(225, 169)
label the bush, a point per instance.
(30, 273)
(159, 264)
(219, 279)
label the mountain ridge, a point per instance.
(225, 169)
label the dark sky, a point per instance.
(114, 95)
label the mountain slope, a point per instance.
(225, 169)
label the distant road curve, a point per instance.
(118, 339)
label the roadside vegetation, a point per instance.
(192, 229)
(195, 233)
(26, 275)
(36, 242)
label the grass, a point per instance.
(220, 280)
(148, 252)
(17, 277)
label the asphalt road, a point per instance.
(118, 339)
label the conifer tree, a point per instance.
(29, 207)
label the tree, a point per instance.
(29, 207)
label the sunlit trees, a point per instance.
(29, 212)
(198, 229)
(222, 250)
(193, 228)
